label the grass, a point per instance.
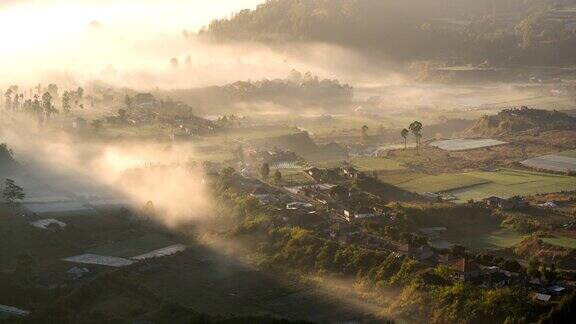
(247, 134)
(376, 164)
(444, 182)
(561, 241)
(133, 247)
(498, 239)
(503, 183)
(294, 177)
(571, 154)
(339, 123)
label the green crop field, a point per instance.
(339, 123)
(503, 183)
(376, 164)
(571, 154)
(561, 241)
(133, 247)
(294, 177)
(438, 183)
(494, 240)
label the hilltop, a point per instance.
(296, 90)
(503, 33)
(521, 121)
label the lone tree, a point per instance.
(12, 192)
(265, 171)
(97, 125)
(122, 114)
(128, 102)
(66, 102)
(277, 177)
(364, 135)
(404, 133)
(416, 129)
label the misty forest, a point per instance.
(288, 161)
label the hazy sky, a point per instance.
(25, 23)
(46, 41)
(52, 36)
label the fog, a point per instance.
(56, 163)
(130, 43)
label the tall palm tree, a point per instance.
(364, 135)
(416, 129)
(404, 133)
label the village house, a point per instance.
(419, 253)
(80, 124)
(493, 277)
(144, 100)
(465, 270)
(359, 213)
(506, 203)
(315, 173)
(263, 195)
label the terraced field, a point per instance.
(376, 164)
(478, 185)
(498, 239)
(294, 177)
(561, 241)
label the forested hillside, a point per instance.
(497, 33)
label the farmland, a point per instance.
(561, 241)
(295, 177)
(494, 240)
(376, 164)
(478, 184)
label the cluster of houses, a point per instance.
(344, 206)
(506, 203)
(335, 174)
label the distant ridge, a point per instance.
(517, 121)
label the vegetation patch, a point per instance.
(376, 164)
(561, 241)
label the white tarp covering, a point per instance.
(552, 162)
(169, 250)
(13, 311)
(45, 223)
(465, 144)
(100, 260)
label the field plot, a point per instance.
(494, 240)
(376, 164)
(57, 207)
(217, 285)
(478, 185)
(561, 241)
(562, 162)
(571, 154)
(441, 183)
(465, 144)
(134, 247)
(294, 177)
(328, 164)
